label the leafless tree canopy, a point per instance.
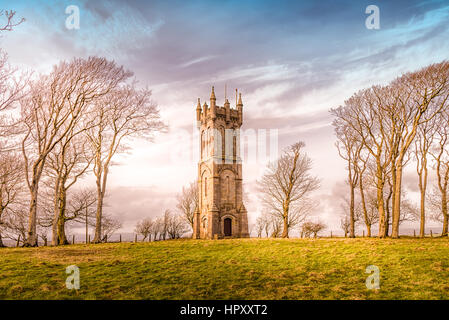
(167, 226)
(387, 123)
(7, 21)
(59, 107)
(312, 228)
(145, 228)
(123, 113)
(72, 123)
(188, 202)
(286, 185)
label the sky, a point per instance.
(291, 60)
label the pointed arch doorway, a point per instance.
(227, 226)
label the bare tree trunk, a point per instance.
(422, 146)
(380, 200)
(102, 178)
(99, 213)
(442, 186)
(352, 215)
(285, 223)
(445, 213)
(87, 226)
(54, 237)
(1, 213)
(31, 240)
(365, 211)
(397, 201)
(388, 210)
(62, 239)
(423, 187)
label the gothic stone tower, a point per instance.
(220, 213)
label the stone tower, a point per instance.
(221, 212)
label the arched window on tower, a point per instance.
(223, 148)
(211, 142)
(203, 144)
(228, 188)
(207, 142)
(234, 147)
(205, 187)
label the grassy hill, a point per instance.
(231, 269)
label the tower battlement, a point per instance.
(212, 111)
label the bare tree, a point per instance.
(125, 112)
(434, 199)
(267, 224)
(110, 226)
(11, 183)
(264, 224)
(367, 201)
(345, 220)
(423, 94)
(14, 224)
(386, 119)
(349, 149)
(370, 214)
(164, 224)
(67, 163)
(276, 225)
(145, 228)
(361, 113)
(177, 226)
(157, 228)
(423, 143)
(260, 226)
(12, 86)
(441, 156)
(312, 228)
(55, 106)
(42, 232)
(188, 202)
(286, 185)
(9, 24)
(345, 224)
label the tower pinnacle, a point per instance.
(198, 111)
(212, 103)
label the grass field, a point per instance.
(231, 269)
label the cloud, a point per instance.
(292, 61)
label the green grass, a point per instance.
(231, 269)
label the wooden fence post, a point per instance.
(89, 238)
(414, 233)
(331, 234)
(431, 234)
(73, 239)
(135, 238)
(120, 238)
(18, 241)
(106, 238)
(364, 233)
